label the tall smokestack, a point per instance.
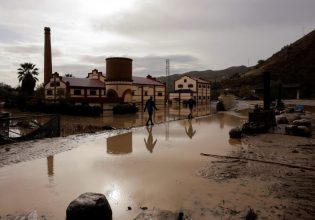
(47, 56)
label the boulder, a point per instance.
(302, 122)
(298, 130)
(89, 206)
(235, 133)
(303, 131)
(220, 106)
(291, 129)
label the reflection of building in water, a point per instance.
(226, 119)
(190, 131)
(120, 144)
(184, 111)
(150, 144)
(50, 165)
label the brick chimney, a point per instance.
(47, 56)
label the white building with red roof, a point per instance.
(188, 86)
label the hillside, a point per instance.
(294, 63)
(210, 75)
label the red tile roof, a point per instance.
(198, 79)
(145, 81)
(83, 82)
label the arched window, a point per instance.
(111, 93)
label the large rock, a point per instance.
(302, 122)
(298, 130)
(235, 133)
(89, 206)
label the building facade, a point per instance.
(96, 90)
(188, 86)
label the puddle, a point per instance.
(152, 167)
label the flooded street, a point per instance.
(160, 169)
(155, 168)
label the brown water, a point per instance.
(153, 167)
(74, 124)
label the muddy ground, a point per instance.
(274, 171)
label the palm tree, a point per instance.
(27, 74)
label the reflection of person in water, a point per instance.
(190, 131)
(149, 143)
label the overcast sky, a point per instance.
(193, 34)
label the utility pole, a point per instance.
(167, 77)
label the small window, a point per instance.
(133, 93)
(49, 92)
(195, 97)
(180, 86)
(92, 92)
(77, 92)
(190, 85)
(185, 80)
(208, 97)
(199, 86)
(104, 92)
(208, 86)
(204, 86)
(146, 93)
(199, 97)
(204, 97)
(160, 93)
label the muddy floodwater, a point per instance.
(143, 170)
(152, 167)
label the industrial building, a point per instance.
(188, 86)
(118, 85)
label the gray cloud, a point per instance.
(194, 35)
(167, 17)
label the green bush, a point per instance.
(125, 108)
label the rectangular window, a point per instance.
(77, 92)
(208, 97)
(190, 85)
(204, 97)
(180, 86)
(199, 97)
(145, 93)
(49, 92)
(204, 86)
(92, 92)
(185, 80)
(160, 93)
(199, 86)
(133, 93)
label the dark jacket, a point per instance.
(150, 105)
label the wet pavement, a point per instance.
(153, 167)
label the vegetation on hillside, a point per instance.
(294, 64)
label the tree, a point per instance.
(27, 75)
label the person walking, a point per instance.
(191, 102)
(150, 106)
